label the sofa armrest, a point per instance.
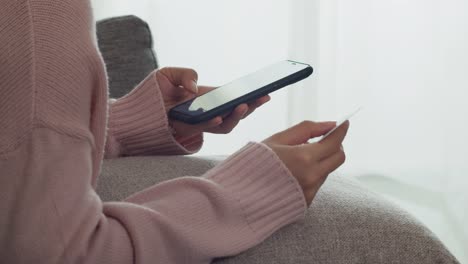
(124, 176)
(346, 222)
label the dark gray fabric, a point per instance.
(126, 45)
(345, 224)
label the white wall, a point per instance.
(406, 63)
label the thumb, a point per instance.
(185, 77)
(302, 132)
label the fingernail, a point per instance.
(244, 112)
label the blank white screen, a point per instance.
(245, 85)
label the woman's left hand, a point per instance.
(180, 84)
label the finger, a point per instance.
(262, 100)
(183, 129)
(232, 119)
(332, 162)
(302, 132)
(256, 104)
(204, 89)
(332, 143)
(185, 77)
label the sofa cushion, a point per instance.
(126, 46)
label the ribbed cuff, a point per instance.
(269, 195)
(138, 124)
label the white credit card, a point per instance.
(341, 121)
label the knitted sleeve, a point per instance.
(138, 125)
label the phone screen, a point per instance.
(245, 85)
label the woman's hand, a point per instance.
(180, 84)
(310, 163)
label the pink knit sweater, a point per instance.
(53, 134)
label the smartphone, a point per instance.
(222, 100)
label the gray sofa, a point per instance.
(346, 223)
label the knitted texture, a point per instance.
(138, 122)
(53, 113)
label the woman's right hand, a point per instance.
(310, 163)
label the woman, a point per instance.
(56, 127)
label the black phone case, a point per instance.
(229, 106)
